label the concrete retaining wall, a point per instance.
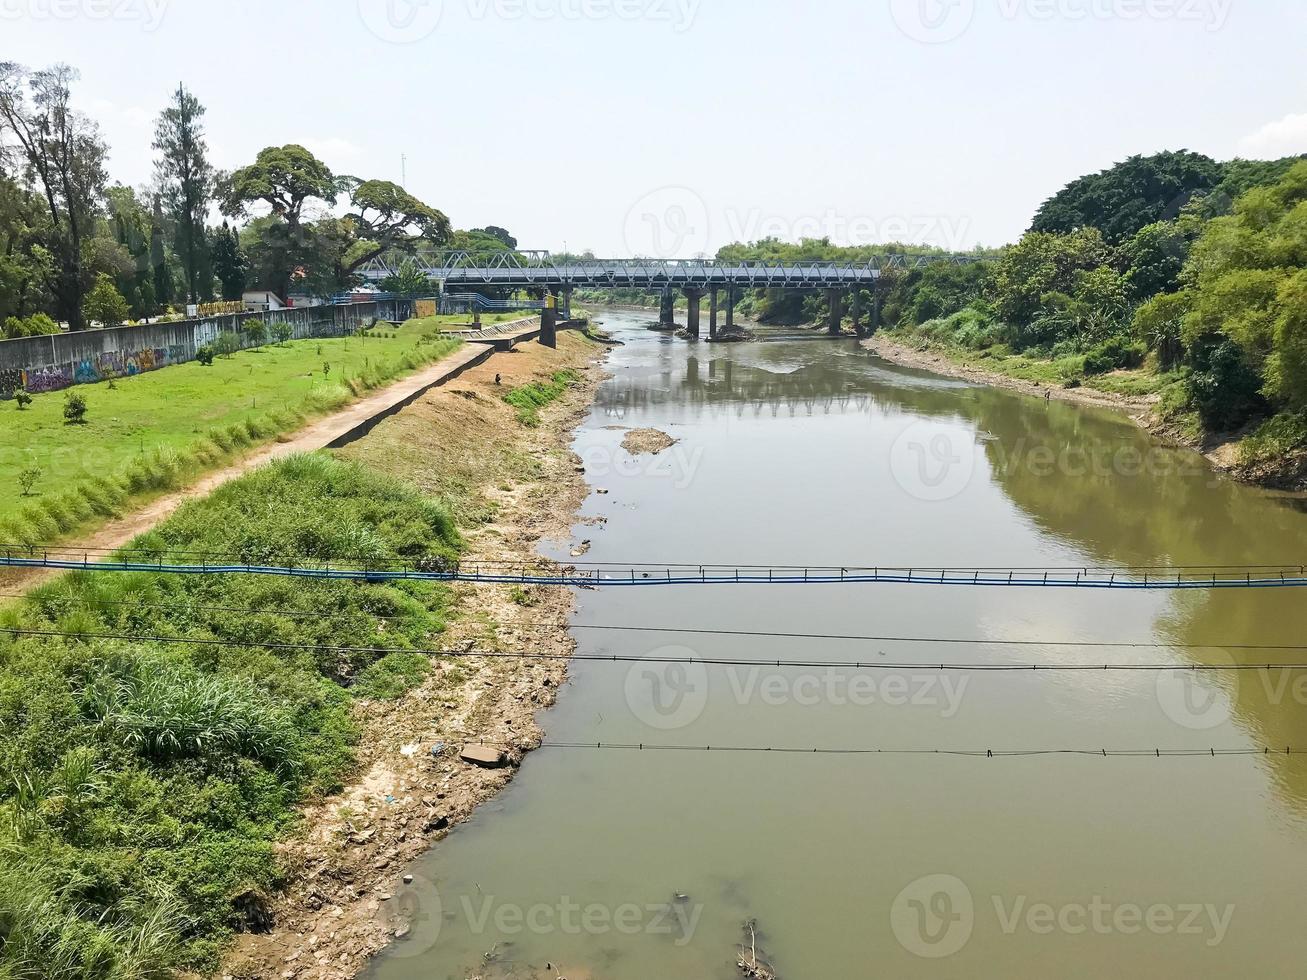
(41, 364)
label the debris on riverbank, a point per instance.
(651, 442)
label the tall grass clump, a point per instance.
(529, 399)
(144, 785)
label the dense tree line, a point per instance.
(69, 237)
(1196, 268)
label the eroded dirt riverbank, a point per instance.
(510, 486)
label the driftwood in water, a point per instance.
(752, 964)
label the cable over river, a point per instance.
(1130, 823)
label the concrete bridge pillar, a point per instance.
(875, 307)
(667, 310)
(549, 320)
(857, 313)
(567, 302)
(695, 297)
(730, 306)
(712, 313)
(834, 299)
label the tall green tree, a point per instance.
(385, 217)
(228, 262)
(63, 151)
(186, 181)
(286, 179)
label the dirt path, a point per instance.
(324, 432)
(511, 486)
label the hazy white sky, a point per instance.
(675, 126)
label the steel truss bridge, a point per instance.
(541, 270)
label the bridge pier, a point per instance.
(875, 307)
(567, 302)
(667, 310)
(695, 297)
(549, 320)
(834, 298)
(712, 313)
(730, 307)
(857, 312)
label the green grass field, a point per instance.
(150, 433)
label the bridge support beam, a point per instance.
(667, 310)
(834, 299)
(567, 302)
(695, 298)
(875, 307)
(712, 313)
(730, 306)
(857, 312)
(549, 320)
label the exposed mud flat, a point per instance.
(647, 442)
(510, 487)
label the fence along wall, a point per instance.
(40, 364)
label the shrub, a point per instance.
(23, 398)
(205, 355)
(1113, 354)
(226, 344)
(1223, 388)
(282, 332)
(28, 478)
(257, 331)
(75, 408)
(104, 304)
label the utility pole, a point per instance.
(403, 171)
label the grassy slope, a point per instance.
(151, 432)
(143, 785)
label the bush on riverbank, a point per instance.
(529, 399)
(143, 785)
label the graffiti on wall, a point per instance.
(11, 381)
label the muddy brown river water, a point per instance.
(645, 865)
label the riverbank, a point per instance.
(509, 486)
(1285, 471)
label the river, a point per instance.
(645, 865)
